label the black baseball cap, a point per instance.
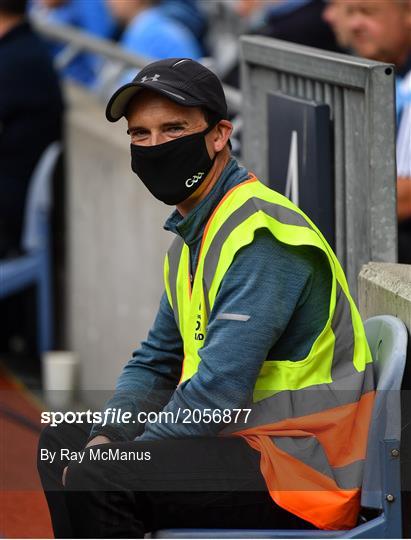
(182, 80)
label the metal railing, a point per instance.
(78, 41)
(361, 97)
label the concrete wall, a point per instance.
(385, 289)
(115, 246)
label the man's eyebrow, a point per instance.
(176, 122)
(132, 128)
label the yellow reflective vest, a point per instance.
(309, 418)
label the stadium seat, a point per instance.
(381, 492)
(33, 267)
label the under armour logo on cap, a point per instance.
(154, 78)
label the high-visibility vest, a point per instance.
(309, 418)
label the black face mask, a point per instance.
(172, 171)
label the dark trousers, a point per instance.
(12, 203)
(187, 483)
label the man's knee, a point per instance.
(48, 448)
(49, 439)
(64, 435)
(47, 435)
(55, 438)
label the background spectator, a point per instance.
(151, 32)
(31, 110)
(299, 21)
(335, 14)
(189, 14)
(153, 29)
(29, 119)
(90, 16)
(381, 30)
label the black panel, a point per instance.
(311, 122)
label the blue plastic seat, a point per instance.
(34, 266)
(381, 491)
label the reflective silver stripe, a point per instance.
(250, 207)
(350, 476)
(308, 450)
(343, 365)
(314, 399)
(174, 255)
(206, 298)
(233, 317)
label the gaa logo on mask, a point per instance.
(194, 179)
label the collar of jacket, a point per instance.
(191, 227)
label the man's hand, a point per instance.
(99, 439)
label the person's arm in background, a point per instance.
(404, 156)
(9, 101)
(22, 112)
(154, 36)
(404, 197)
(148, 380)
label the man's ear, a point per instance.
(220, 134)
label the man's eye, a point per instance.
(137, 133)
(175, 129)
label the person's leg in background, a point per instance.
(17, 332)
(12, 203)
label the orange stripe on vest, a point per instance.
(302, 490)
